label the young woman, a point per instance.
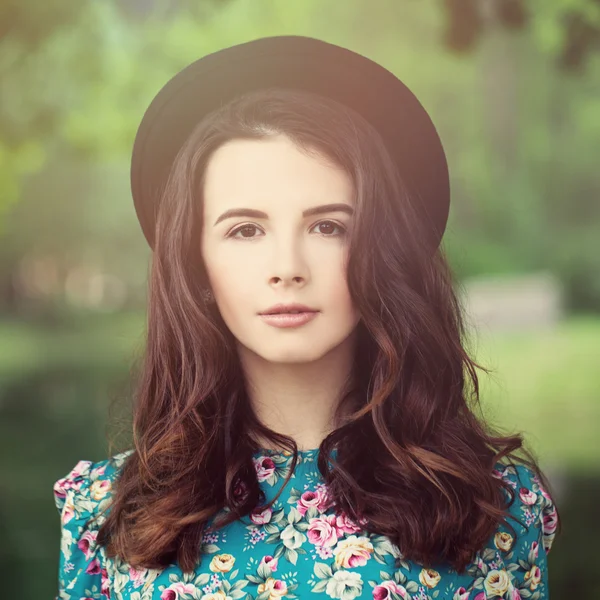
(333, 452)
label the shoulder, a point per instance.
(515, 564)
(88, 485)
(533, 505)
(81, 497)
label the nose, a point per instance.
(289, 264)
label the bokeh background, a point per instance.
(514, 89)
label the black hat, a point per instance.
(302, 63)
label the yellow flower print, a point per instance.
(100, 488)
(533, 577)
(222, 563)
(497, 582)
(68, 510)
(276, 588)
(215, 596)
(503, 541)
(353, 552)
(429, 577)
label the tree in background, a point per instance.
(77, 76)
(574, 26)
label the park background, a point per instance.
(514, 89)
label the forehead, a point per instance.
(273, 172)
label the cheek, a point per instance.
(230, 279)
(235, 298)
(339, 298)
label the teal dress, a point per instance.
(299, 548)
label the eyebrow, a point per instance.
(259, 214)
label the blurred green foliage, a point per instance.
(520, 131)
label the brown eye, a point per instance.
(330, 224)
(249, 228)
(242, 228)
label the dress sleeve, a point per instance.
(528, 562)
(514, 564)
(78, 497)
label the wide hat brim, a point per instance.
(302, 63)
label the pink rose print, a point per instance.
(544, 493)
(534, 548)
(74, 485)
(318, 498)
(353, 552)
(364, 521)
(308, 499)
(59, 491)
(73, 481)
(173, 591)
(183, 588)
(276, 588)
(98, 471)
(270, 562)
(527, 496)
(87, 542)
(550, 521)
(344, 524)
(480, 596)
(461, 594)
(79, 469)
(384, 590)
(239, 491)
(137, 576)
(105, 584)
(265, 467)
(94, 567)
(260, 517)
(322, 531)
(326, 501)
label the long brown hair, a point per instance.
(413, 460)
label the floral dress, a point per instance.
(299, 548)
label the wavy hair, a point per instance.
(414, 462)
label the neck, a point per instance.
(299, 399)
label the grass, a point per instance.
(547, 385)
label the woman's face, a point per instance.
(256, 261)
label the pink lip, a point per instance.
(284, 308)
(288, 319)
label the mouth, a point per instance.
(288, 312)
(296, 309)
(289, 319)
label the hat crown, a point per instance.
(296, 62)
